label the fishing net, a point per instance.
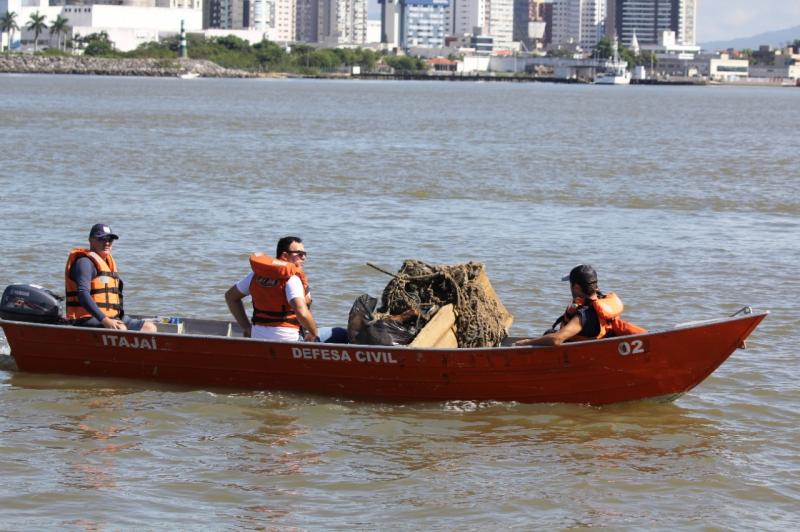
(421, 289)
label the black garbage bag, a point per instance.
(365, 326)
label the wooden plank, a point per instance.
(505, 316)
(440, 331)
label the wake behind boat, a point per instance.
(204, 353)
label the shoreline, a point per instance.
(104, 66)
(146, 67)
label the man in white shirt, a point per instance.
(280, 296)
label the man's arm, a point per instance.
(570, 329)
(83, 271)
(305, 318)
(233, 297)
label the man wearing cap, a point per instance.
(591, 315)
(93, 286)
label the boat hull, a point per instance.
(655, 365)
(613, 80)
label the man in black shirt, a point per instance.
(93, 286)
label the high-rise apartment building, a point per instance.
(687, 22)
(277, 17)
(419, 23)
(307, 12)
(500, 22)
(493, 18)
(649, 18)
(391, 16)
(342, 22)
(466, 15)
(578, 22)
(532, 20)
(227, 14)
(423, 23)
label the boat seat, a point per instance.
(206, 327)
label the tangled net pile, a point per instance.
(422, 288)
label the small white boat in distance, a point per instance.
(616, 71)
(190, 75)
(614, 75)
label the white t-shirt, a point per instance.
(294, 289)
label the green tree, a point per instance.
(8, 24)
(59, 28)
(647, 58)
(603, 49)
(404, 63)
(37, 25)
(98, 44)
(154, 50)
(231, 42)
(560, 52)
(270, 55)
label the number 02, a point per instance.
(634, 347)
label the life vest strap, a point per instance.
(112, 306)
(94, 291)
(261, 316)
(261, 321)
(282, 314)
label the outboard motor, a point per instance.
(30, 302)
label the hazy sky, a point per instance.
(728, 19)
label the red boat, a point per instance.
(659, 365)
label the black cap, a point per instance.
(102, 231)
(582, 274)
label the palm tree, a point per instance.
(59, 28)
(8, 24)
(37, 26)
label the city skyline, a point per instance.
(719, 20)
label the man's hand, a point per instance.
(110, 323)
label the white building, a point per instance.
(342, 22)
(127, 26)
(723, 68)
(284, 20)
(687, 23)
(578, 23)
(668, 48)
(14, 6)
(490, 18)
(373, 31)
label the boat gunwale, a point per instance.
(567, 345)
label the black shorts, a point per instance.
(131, 323)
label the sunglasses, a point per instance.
(107, 239)
(301, 254)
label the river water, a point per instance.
(686, 200)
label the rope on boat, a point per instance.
(743, 310)
(423, 287)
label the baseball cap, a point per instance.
(102, 231)
(582, 274)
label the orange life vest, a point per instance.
(608, 308)
(105, 288)
(268, 290)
